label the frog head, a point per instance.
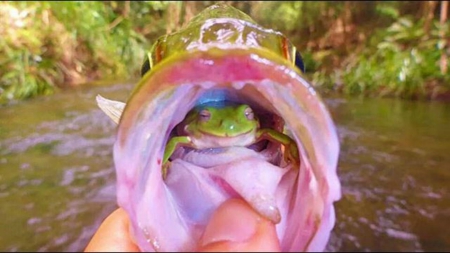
(222, 121)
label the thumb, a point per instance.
(235, 226)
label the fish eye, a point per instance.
(299, 61)
(145, 67)
(249, 113)
(204, 115)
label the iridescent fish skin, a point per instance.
(223, 55)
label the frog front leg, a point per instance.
(172, 144)
(291, 149)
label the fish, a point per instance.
(223, 55)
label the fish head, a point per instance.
(170, 214)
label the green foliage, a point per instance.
(399, 61)
(387, 10)
(369, 48)
(19, 64)
(285, 14)
(47, 45)
(293, 17)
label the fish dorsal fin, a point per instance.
(113, 109)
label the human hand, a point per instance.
(234, 226)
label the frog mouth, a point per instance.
(170, 215)
(226, 135)
(212, 142)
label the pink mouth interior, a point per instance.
(222, 184)
(165, 215)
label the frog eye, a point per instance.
(249, 113)
(204, 115)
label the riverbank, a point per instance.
(48, 46)
(394, 49)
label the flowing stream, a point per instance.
(57, 179)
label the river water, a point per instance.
(57, 180)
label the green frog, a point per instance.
(225, 126)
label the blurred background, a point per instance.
(382, 68)
(397, 48)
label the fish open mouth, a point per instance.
(170, 214)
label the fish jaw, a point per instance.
(162, 99)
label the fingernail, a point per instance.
(233, 221)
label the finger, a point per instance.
(235, 226)
(113, 235)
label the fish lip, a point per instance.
(181, 72)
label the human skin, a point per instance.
(234, 226)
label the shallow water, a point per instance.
(395, 170)
(57, 177)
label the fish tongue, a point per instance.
(194, 191)
(198, 191)
(256, 181)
